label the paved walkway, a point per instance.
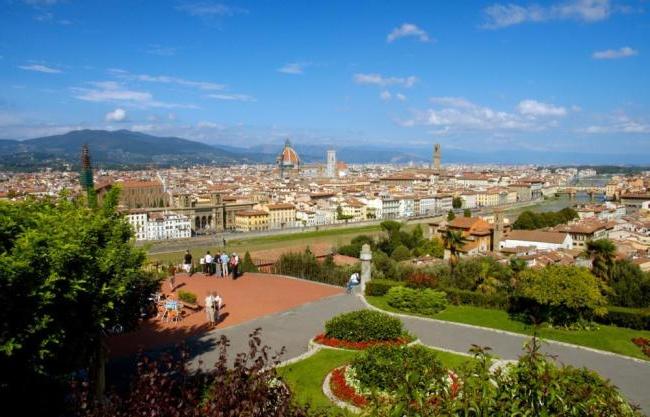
(295, 327)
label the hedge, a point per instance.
(378, 287)
(632, 318)
(186, 296)
(455, 296)
(364, 326)
(426, 301)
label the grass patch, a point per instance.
(306, 377)
(333, 237)
(608, 338)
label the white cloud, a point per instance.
(620, 124)
(535, 108)
(117, 115)
(210, 9)
(207, 125)
(408, 30)
(385, 95)
(501, 15)
(40, 68)
(166, 79)
(623, 52)
(232, 97)
(295, 68)
(456, 114)
(114, 92)
(400, 97)
(161, 50)
(377, 79)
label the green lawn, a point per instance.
(334, 237)
(608, 338)
(306, 377)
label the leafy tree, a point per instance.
(602, 253)
(391, 227)
(529, 220)
(467, 213)
(457, 202)
(68, 273)
(433, 247)
(450, 215)
(630, 286)
(453, 242)
(248, 265)
(401, 253)
(560, 294)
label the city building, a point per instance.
(288, 161)
(159, 226)
(281, 216)
(252, 221)
(538, 239)
(331, 170)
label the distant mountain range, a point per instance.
(126, 149)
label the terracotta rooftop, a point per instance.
(537, 236)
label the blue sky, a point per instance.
(561, 75)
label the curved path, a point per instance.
(294, 328)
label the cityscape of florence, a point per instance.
(325, 208)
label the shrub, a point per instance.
(377, 367)
(632, 318)
(378, 287)
(364, 326)
(401, 253)
(499, 300)
(426, 302)
(559, 294)
(186, 296)
(420, 279)
(248, 265)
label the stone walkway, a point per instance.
(295, 327)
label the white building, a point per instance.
(331, 164)
(444, 203)
(539, 239)
(160, 226)
(406, 207)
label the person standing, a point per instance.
(218, 302)
(234, 262)
(172, 277)
(187, 262)
(209, 309)
(224, 264)
(217, 265)
(208, 263)
(352, 282)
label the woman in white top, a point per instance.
(209, 309)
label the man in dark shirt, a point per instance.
(187, 262)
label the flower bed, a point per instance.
(343, 391)
(346, 344)
(643, 343)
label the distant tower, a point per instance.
(288, 161)
(436, 157)
(497, 236)
(331, 163)
(86, 176)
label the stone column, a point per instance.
(366, 258)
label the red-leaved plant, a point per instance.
(167, 388)
(346, 344)
(643, 343)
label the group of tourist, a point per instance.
(219, 264)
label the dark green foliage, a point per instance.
(67, 273)
(630, 286)
(186, 296)
(305, 265)
(457, 202)
(377, 367)
(354, 248)
(384, 266)
(484, 274)
(499, 300)
(364, 326)
(602, 253)
(450, 216)
(433, 247)
(401, 253)
(420, 301)
(378, 287)
(467, 213)
(247, 264)
(632, 318)
(529, 220)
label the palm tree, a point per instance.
(602, 253)
(453, 241)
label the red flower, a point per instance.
(343, 391)
(345, 344)
(643, 343)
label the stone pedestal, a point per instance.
(366, 265)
